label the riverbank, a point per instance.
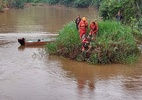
(42, 4)
(26, 5)
(4, 9)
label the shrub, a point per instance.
(18, 3)
(52, 1)
(117, 41)
(109, 9)
(81, 3)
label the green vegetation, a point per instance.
(67, 41)
(114, 44)
(72, 3)
(109, 9)
(18, 3)
(1, 8)
(76, 3)
(131, 17)
(36, 1)
(2, 5)
(12, 3)
(117, 41)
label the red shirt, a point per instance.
(83, 25)
(93, 28)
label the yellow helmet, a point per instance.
(95, 20)
(84, 18)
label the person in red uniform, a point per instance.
(83, 25)
(93, 29)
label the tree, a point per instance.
(109, 9)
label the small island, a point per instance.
(114, 43)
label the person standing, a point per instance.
(93, 29)
(77, 21)
(83, 25)
(119, 16)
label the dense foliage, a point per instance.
(12, 3)
(130, 9)
(73, 3)
(114, 44)
(76, 3)
(18, 3)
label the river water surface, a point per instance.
(29, 73)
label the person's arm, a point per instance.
(86, 25)
(96, 28)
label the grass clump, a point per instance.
(114, 44)
(67, 43)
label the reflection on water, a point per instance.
(29, 73)
(22, 47)
(107, 82)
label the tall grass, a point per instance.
(115, 42)
(69, 36)
(67, 40)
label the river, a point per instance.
(29, 73)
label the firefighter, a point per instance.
(93, 29)
(83, 25)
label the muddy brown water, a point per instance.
(29, 73)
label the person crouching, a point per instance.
(86, 44)
(93, 29)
